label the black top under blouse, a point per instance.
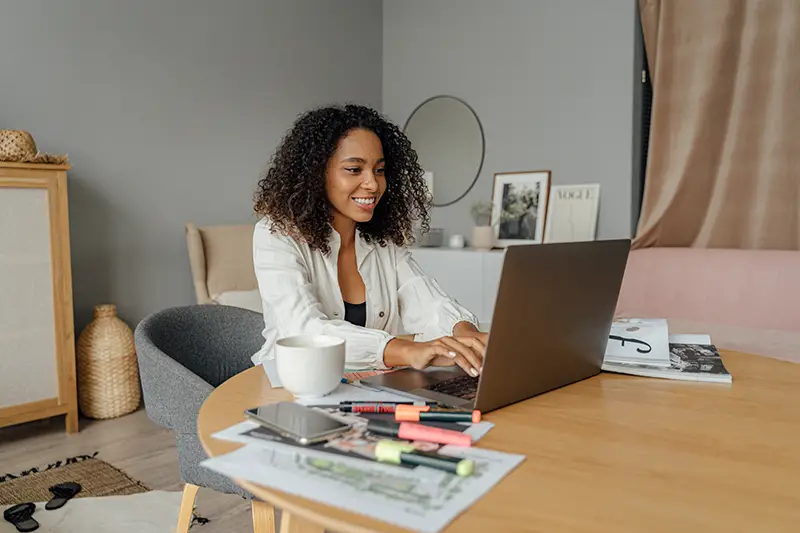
(356, 314)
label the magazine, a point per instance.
(691, 362)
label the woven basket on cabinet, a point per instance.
(16, 146)
(108, 371)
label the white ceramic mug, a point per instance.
(310, 366)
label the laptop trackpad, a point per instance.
(408, 379)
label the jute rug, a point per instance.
(96, 477)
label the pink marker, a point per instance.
(411, 431)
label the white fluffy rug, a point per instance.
(149, 512)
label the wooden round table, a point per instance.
(611, 453)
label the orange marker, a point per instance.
(415, 414)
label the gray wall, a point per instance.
(551, 80)
(169, 111)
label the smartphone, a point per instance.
(297, 422)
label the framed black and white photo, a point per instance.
(519, 207)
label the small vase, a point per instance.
(108, 371)
(483, 237)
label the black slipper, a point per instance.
(20, 515)
(61, 494)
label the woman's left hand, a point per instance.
(481, 336)
(467, 329)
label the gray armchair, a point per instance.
(184, 353)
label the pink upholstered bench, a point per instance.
(747, 300)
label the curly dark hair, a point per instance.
(292, 193)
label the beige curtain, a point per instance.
(723, 166)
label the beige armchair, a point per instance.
(221, 260)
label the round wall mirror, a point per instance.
(448, 138)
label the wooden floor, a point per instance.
(131, 443)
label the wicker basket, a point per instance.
(108, 371)
(16, 146)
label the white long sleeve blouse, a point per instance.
(300, 294)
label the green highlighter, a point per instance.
(396, 452)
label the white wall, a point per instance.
(551, 80)
(169, 111)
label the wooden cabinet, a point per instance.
(37, 339)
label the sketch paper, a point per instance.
(423, 499)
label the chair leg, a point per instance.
(263, 517)
(295, 524)
(187, 508)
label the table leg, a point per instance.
(295, 524)
(263, 517)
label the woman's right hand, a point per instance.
(466, 352)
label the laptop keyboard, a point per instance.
(464, 387)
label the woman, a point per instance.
(337, 208)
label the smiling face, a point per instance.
(355, 178)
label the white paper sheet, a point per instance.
(422, 498)
(356, 393)
(689, 338)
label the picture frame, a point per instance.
(519, 207)
(572, 213)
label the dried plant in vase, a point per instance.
(482, 212)
(483, 237)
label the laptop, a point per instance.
(550, 326)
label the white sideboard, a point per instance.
(470, 276)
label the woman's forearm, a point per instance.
(395, 353)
